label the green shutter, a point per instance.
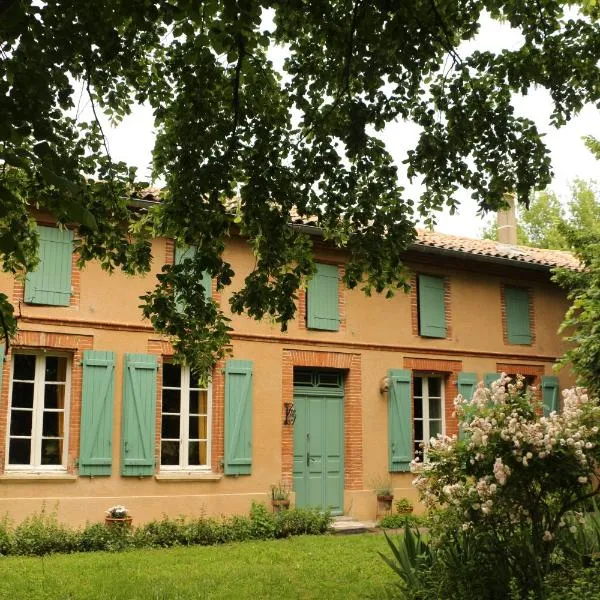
(322, 310)
(139, 408)
(517, 316)
(489, 378)
(97, 399)
(550, 394)
(50, 282)
(238, 417)
(432, 309)
(466, 383)
(400, 425)
(183, 253)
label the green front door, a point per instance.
(319, 440)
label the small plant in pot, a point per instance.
(118, 516)
(385, 493)
(280, 497)
(404, 506)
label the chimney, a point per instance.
(507, 222)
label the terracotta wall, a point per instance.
(377, 335)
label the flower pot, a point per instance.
(405, 511)
(385, 498)
(118, 521)
(279, 505)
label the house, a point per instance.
(94, 413)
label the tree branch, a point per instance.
(449, 45)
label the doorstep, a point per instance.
(347, 525)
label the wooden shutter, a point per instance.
(322, 310)
(489, 378)
(139, 414)
(50, 282)
(518, 326)
(400, 425)
(181, 253)
(466, 383)
(432, 309)
(97, 399)
(550, 394)
(238, 417)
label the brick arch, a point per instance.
(351, 363)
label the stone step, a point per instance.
(347, 525)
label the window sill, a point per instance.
(188, 476)
(37, 476)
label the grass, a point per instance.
(300, 567)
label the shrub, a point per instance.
(302, 521)
(42, 534)
(505, 487)
(262, 522)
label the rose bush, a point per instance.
(512, 476)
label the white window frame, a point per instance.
(425, 377)
(184, 423)
(38, 412)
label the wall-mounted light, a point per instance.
(290, 413)
(384, 385)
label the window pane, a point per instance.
(171, 375)
(197, 453)
(195, 381)
(171, 401)
(56, 368)
(418, 386)
(418, 408)
(24, 367)
(169, 453)
(52, 452)
(435, 427)
(20, 422)
(22, 395)
(419, 431)
(435, 408)
(197, 427)
(198, 402)
(170, 426)
(435, 386)
(54, 395)
(52, 426)
(19, 452)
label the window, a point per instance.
(322, 299)
(39, 402)
(50, 282)
(428, 411)
(432, 307)
(517, 308)
(185, 420)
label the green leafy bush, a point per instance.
(42, 534)
(302, 521)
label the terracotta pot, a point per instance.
(405, 511)
(279, 505)
(118, 521)
(385, 499)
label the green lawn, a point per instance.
(301, 567)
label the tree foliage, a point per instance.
(543, 223)
(230, 125)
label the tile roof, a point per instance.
(439, 241)
(492, 249)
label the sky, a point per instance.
(133, 139)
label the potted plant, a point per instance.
(385, 493)
(280, 497)
(118, 516)
(404, 506)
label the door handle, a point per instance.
(308, 459)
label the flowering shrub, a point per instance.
(117, 512)
(513, 475)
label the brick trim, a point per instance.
(75, 345)
(353, 427)
(414, 305)
(164, 351)
(450, 368)
(532, 324)
(302, 302)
